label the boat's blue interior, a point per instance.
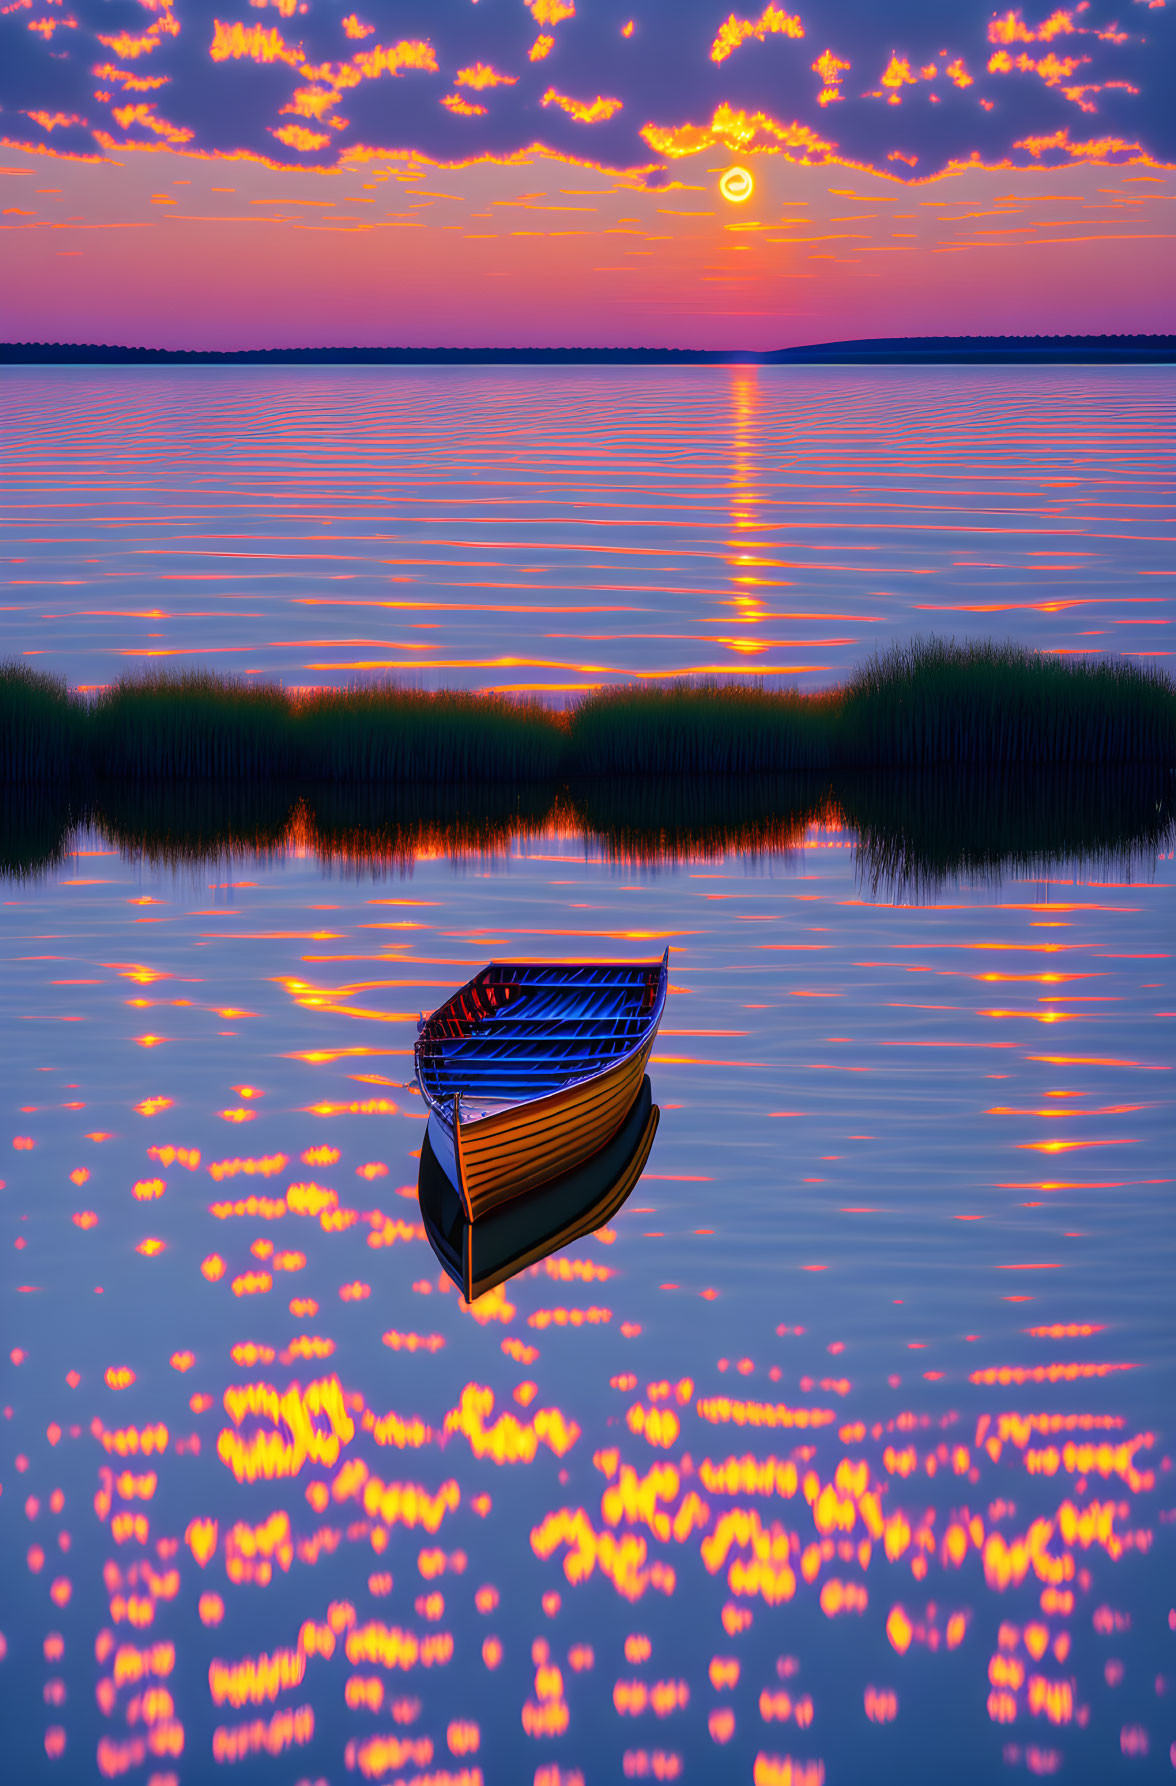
(523, 1029)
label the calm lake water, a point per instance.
(558, 528)
(844, 1453)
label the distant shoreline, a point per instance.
(914, 350)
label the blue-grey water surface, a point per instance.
(844, 1452)
(558, 528)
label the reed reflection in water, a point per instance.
(913, 831)
(838, 1452)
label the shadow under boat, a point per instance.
(478, 1255)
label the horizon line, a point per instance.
(1115, 346)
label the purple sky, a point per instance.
(528, 171)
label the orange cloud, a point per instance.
(314, 102)
(144, 115)
(413, 53)
(734, 31)
(252, 42)
(1052, 69)
(1078, 95)
(1094, 149)
(830, 68)
(1011, 28)
(51, 120)
(339, 74)
(370, 64)
(740, 131)
(46, 27)
(296, 136)
(128, 46)
(480, 74)
(898, 73)
(584, 111)
(541, 47)
(462, 107)
(685, 139)
(550, 12)
(957, 73)
(354, 27)
(133, 83)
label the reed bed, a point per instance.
(194, 726)
(702, 729)
(40, 726)
(928, 704)
(197, 726)
(934, 702)
(383, 733)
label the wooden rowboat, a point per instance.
(478, 1255)
(532, 1067)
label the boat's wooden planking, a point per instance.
(525, 1229)
(476, 1282)
(533, 1066)
(502, 1155)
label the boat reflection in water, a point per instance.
(478, 1255)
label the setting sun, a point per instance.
(737, 185)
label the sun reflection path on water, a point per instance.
(282, 1499)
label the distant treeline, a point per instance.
(897, 349)
(929, 705)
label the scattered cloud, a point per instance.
(910, 89)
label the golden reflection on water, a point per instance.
(306, 1506)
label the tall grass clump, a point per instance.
(384, 733)
(699, 728)
(192, 727)
(932, 703)
(40, 723)
(936, 702)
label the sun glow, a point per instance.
(736, 185)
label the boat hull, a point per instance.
(494, 1158)
(526, 1228)
(532, 1067)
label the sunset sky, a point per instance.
(544, 172)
